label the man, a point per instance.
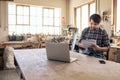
(95, 32)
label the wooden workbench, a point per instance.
(34, 65)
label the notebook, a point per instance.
(87, 43)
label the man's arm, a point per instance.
(106, 43)
(98, 48)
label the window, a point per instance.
(33, 19)
(48, 17)
(22, 15)
(78, 17)
(118, 16)
(82, 15)
(115, 17)
(92, 8)
(51, 21)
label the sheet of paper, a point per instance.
(87, 43)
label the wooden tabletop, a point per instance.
(15, 42)
(34, 65)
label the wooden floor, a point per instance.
(9, 74)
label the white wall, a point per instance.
(105, 5)
(48, 3)
(3, 21)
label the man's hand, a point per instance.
(81, 45)
(98, 48)
(95, 47)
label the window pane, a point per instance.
(92, 8)
(118, 16)
(46, 21)
(78, 10)
(12, 19)
(57, 12)
(26, 29)
(57, 30)
(26, 11)
(19, 10)
(32, 20)
(45, 30)
(19, 29)
(78, 19)
(46, 13)
(22, 15)
(33, 29)
(50, 12)
(57, 22)
(84, 16)
(39, 21)
(12, 28)
(39, 11)
(19, 19)
(26, 20)
(32, 11)
(39, 29)
(50, 21)
(11, 9)
(51, 30)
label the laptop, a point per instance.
(58, 52)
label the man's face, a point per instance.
(93, 25)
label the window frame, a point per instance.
(23, 15)
(28, 28)
(88, 3)
(48, 16)
(115, 16)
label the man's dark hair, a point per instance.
(96, 18)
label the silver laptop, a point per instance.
(59, 52)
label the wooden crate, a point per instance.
(114, 55)
(111, 54)
(117, 56)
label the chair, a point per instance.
(73, 47)
(74, 41)
(42, 44)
